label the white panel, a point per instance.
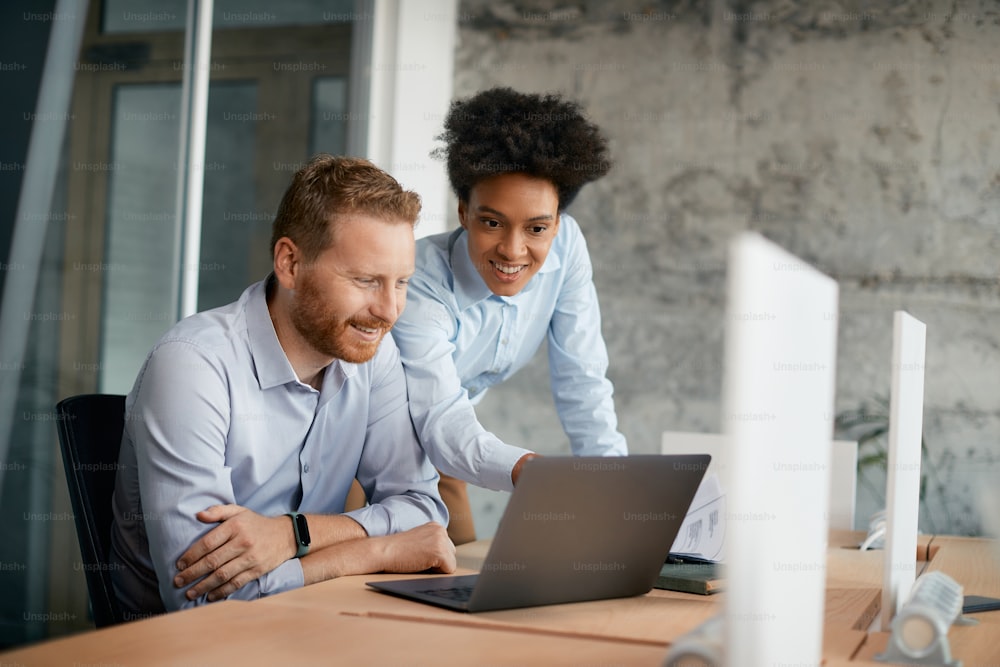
(906, 419)
(843, 484)
(781, 335)
(411, 69)
(685, 442)
(843, 468)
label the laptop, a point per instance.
(575, 529)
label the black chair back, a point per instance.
(90, 435)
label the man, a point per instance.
(248, 423)
(516, 272)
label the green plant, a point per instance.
(868, 424)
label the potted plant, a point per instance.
(868, 424)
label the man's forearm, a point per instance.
(425, 547)
(357, 556)
(327, 530)
(245, 546)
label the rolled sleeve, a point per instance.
(395, 472)
(444, 417)
(578, 364)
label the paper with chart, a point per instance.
(703, 532)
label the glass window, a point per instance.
(230, 221)
(108, 283)
(134, 16)
(140, 278)
(141, 229)
(329, 116)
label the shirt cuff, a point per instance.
(498, 464)
(285, 577)
(373, 518)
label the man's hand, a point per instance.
(425, 547)
(242, 548)
(516, 472)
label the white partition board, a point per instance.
(689, 442)
(843, 484)
(843, 468)
(902, 494)
(781, 339)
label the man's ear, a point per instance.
(462, 210)
(287, 262)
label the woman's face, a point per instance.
(511, 220)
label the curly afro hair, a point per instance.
(499, 131)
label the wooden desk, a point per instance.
(344, 622)
(648, 619)
(974, 563)
(853, 601)
(250, 634)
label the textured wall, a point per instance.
(863, 139)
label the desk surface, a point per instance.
(344, 622)
(248, 634)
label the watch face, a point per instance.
(302, 528)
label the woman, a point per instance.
(485, 295)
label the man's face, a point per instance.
(354, 291)
(511, 220)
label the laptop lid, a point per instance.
(579, 528)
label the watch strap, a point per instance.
(301, 529)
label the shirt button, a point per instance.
(305, 468)
(503, 342)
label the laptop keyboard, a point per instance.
(458, 593)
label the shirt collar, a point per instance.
(469, 287)
(269, 358)
(271, 363)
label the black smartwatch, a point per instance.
(301, 528)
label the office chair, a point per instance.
(90, 434)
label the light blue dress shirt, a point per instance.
(457, 339)
(217, 415)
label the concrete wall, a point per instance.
(864, 140)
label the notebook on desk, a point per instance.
(575, 529)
